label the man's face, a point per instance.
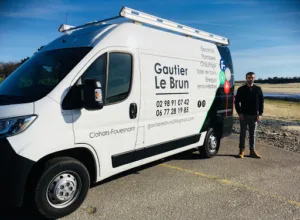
(250, 79)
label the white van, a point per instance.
(106, 97)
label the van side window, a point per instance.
(97, 70)
(119, 77)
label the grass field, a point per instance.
(279, 109)
(278, 88)
(282, 109)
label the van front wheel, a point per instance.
(62, 187)
(211, 144)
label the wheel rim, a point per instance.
(212, 144)
(64, 189)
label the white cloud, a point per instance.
(253, 2)
(246, 27)
(46, 10)
(235, 3)
(243, 15)
(283, 49)
(272, 61)
(262, 16)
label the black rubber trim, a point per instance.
(14, 171)
(227, 126)
(135, 155)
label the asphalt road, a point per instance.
(187, 187)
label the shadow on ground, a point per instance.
(19, 214)
(25, 214)
(192, 154)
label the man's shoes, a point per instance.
(254, 154)
(242, 153)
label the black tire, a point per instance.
(64, 168)
(208, 150)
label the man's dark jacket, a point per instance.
(251, 100)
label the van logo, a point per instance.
(222, 65)
(201, 103)
(222, 77)
(228, 74)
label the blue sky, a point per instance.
(264, 35)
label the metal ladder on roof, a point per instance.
(142, 17)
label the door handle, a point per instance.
(133, 110)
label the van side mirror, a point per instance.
(92, 95)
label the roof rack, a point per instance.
(163, 23)
(142, 17)
(66, 27)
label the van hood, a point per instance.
(10, 111)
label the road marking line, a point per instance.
(294, 203)
(228, 182)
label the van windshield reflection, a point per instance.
(39, 75)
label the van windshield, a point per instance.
(39, 75)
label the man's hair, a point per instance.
(250, 74)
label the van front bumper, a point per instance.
(14, 170)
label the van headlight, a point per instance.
(13, 126)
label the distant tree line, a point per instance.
(7, 68)
(276, 80)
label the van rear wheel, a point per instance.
(211, 144)
(62, 187)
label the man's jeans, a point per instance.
(251, 122)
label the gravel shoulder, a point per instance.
(284, 134)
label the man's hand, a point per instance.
(241, 116)
(258, 118)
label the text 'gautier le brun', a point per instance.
(173, 83)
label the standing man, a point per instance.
(249, 104)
